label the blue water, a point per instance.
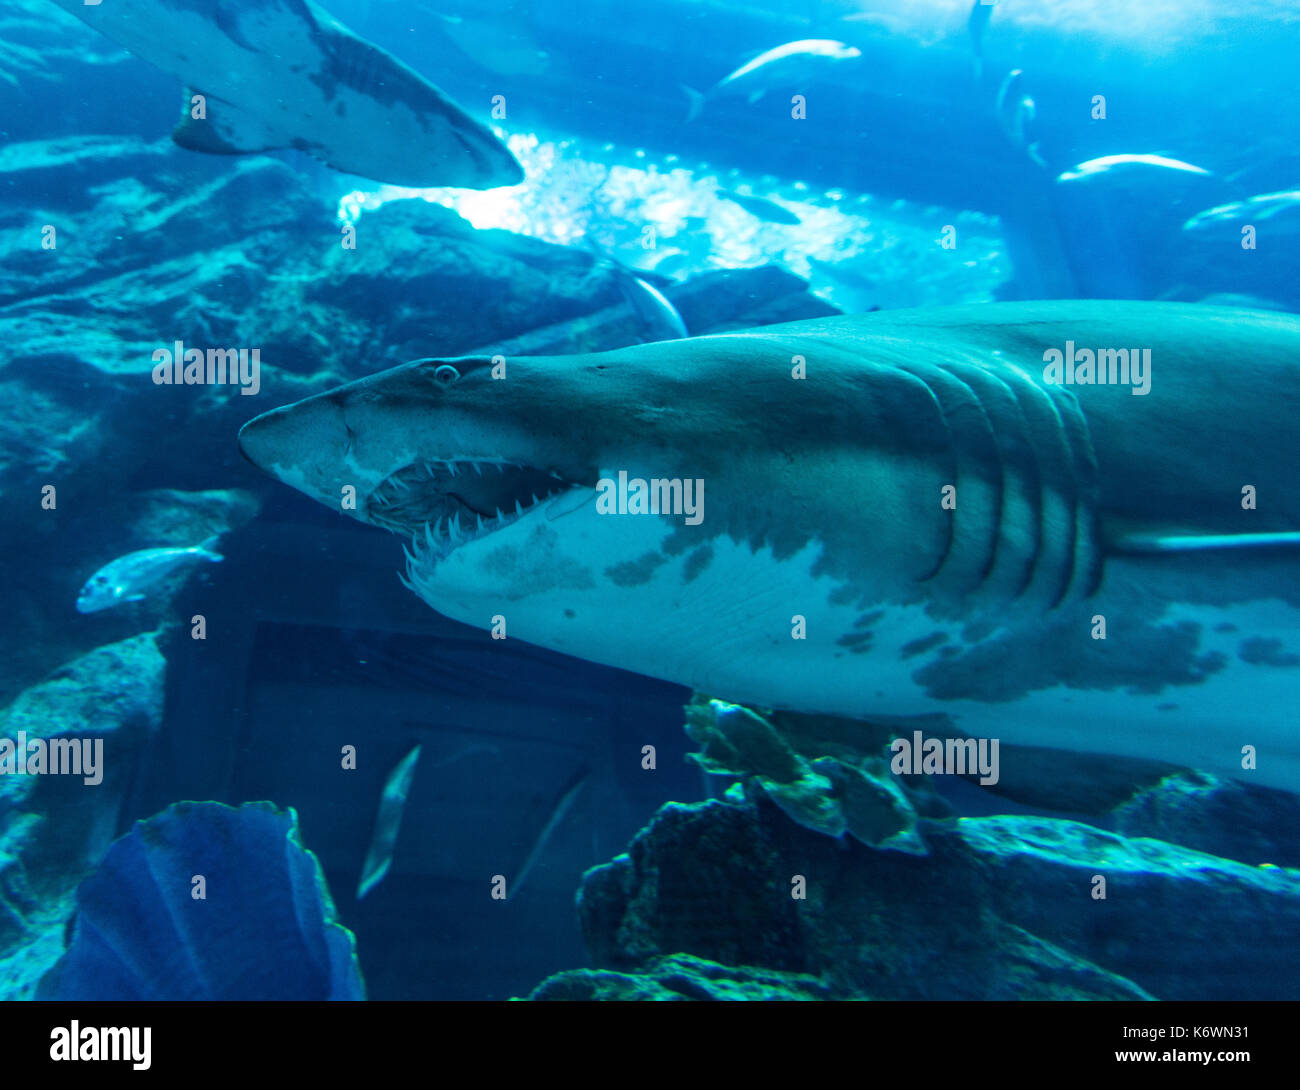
(300, 672)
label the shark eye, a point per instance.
(445, 374)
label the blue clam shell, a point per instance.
(267, 928)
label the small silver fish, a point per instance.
(1016, 113)
(130, 578)
(388, 822)
(1108, 163)
(561, 808)
(659, 319)
(793, 60)
(1262, 207)
(761, 208)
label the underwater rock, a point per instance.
(1001, 908)
(728, 299)
(265, 929)
(161, 253)
(168, 516)
(101, 710)
(1162, 901)
(32, 919)
(17, 902)
(41, 432)
(1218, 816)
(71, 168)
(44, 51)
(113, 695)
(704, 879)
(682, 977)
(614, 326)
(715, 880)
(422, 281)
(715, 302)
(1088, 784)
(151, 260)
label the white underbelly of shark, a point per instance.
(678, 617)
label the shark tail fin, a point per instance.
(694, 102)
(222, 129)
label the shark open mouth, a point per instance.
(442, 504)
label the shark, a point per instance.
(940, 516)
(271, 74)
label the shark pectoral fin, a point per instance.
(1169, 544)
(226, 130)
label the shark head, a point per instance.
(490, 470)
(434, 448)
(609, 505)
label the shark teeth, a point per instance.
(442, 505)
(435, 541)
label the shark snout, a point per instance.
(304, 445)
(270, 439)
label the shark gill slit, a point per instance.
(1087, 566)
(1025, 526)
(919, 377)
(1015, 548)
(968, 554)
(1056, 505)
